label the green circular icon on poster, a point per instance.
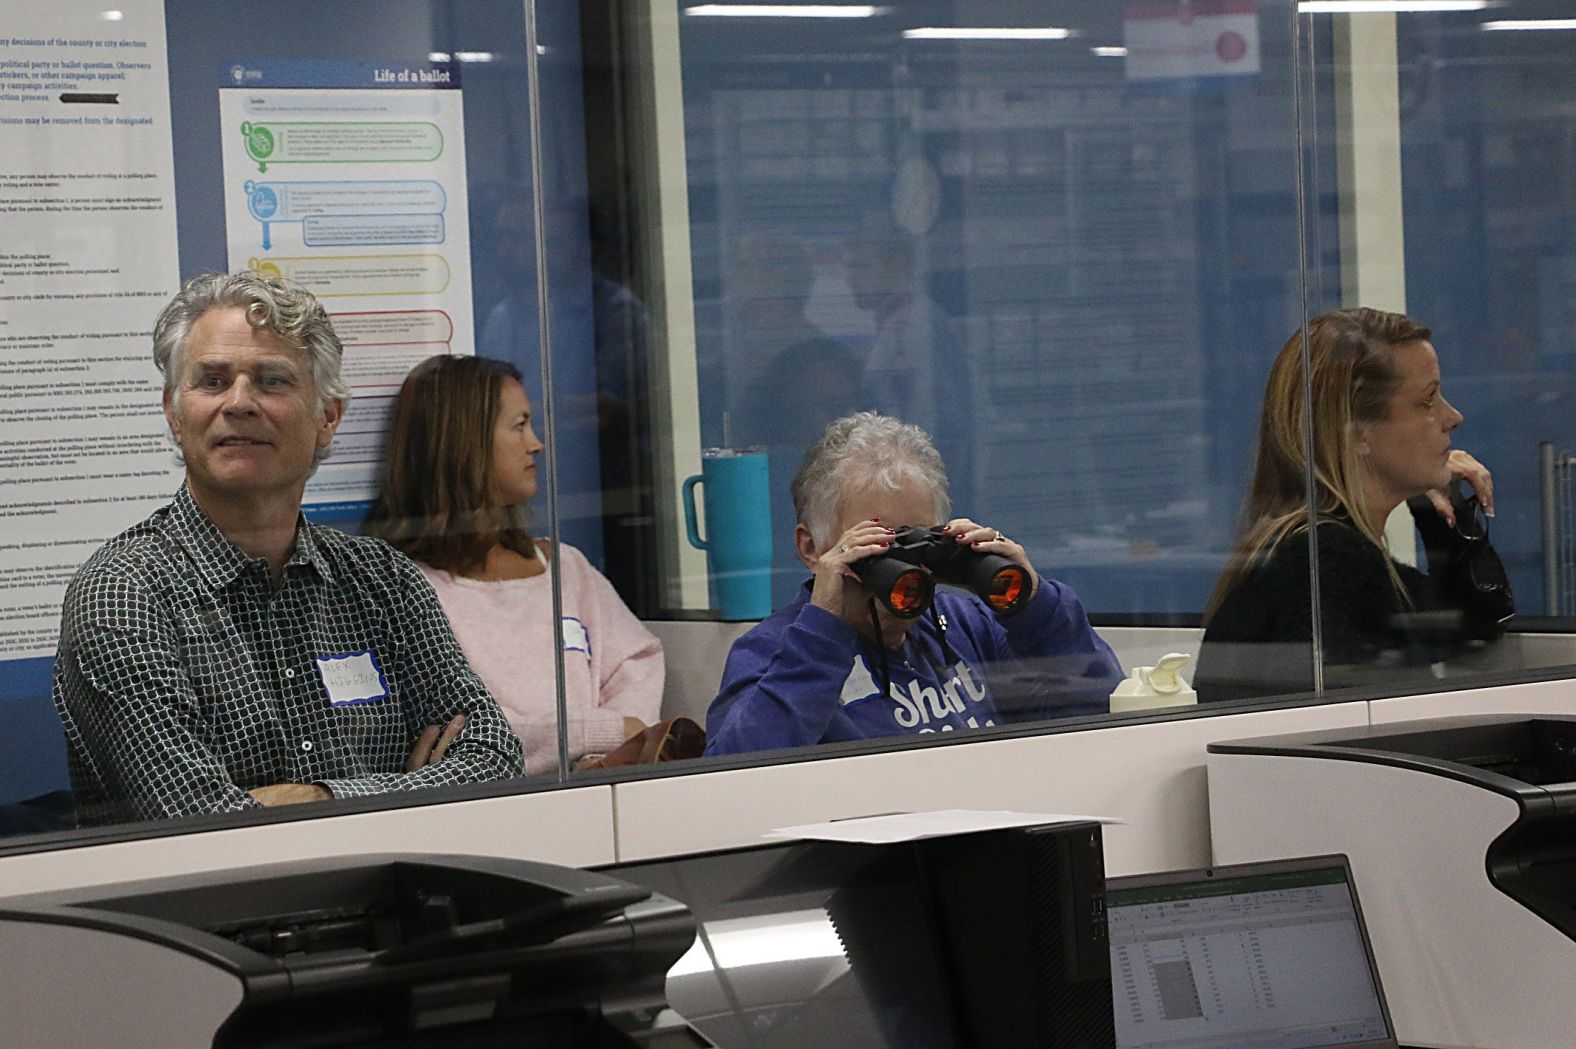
(259, 141)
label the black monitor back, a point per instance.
(978, 941)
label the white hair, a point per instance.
(865, 450)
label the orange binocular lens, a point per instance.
(910, 593)
(1007, 588)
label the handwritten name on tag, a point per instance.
(352, 678)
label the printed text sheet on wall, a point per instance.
(87, 259)
(349, 177)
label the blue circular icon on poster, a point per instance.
(264, 201)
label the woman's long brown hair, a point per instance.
(1350, 354)
(435, 499)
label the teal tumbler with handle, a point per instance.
(738, 540)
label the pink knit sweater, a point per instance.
(612, 664)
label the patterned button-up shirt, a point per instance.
(185, 678)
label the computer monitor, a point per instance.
(964, 942)
(810, 943)
(1252, 956)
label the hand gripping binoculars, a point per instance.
(904, 578)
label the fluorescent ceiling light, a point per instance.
(439, 56)
(474, 56)
(1352, 7)
(986, 33)
(784, 11)
(1533, 23)
(112, 16)
(1110, 52)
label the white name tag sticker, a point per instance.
(576, 639)
(354, 677)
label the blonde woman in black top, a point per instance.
(1382, 436)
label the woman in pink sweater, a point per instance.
(459, 465)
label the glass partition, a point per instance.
(1066, 263)
(381, 155)
(1068, 243)
(1450, 171)
(1065, 242)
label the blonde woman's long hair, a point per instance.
(1351, 357)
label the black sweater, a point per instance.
(1259, 641)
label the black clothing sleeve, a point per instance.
(1466, 571)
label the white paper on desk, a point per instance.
(911, 826)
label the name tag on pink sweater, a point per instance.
(575, 637)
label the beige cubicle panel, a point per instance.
(1466, 965)
(573, 827)
(1150, 775)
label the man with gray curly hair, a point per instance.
(228, 653)
(837, 664)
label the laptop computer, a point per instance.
(1267, 955)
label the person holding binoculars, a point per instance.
(870, 648)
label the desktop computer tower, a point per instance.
(1021, 914)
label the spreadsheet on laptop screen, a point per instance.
(1270, 961)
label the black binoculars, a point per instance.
(904, 577)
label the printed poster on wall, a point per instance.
(87, 259)
(349, 177)
(1202, 40)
